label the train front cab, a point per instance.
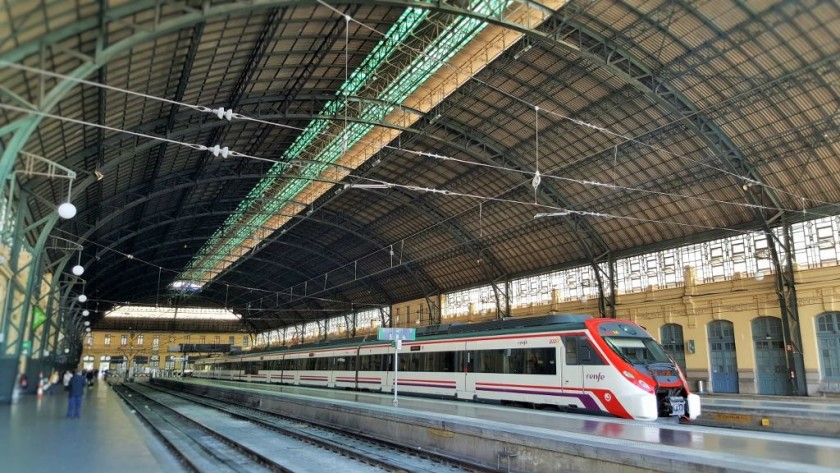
(658, 387)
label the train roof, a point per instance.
(545, 322)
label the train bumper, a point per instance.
(642, 407)
(693, 406)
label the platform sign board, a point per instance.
(397, 333)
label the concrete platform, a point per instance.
(792, 415)
(35, 436)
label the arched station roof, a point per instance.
(380, 152)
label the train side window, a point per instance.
(542, 361)
(461, 361)
(517, 361)
(587, 354)
(375, 363)
(571, 344)
(447, 361)
(415, 362)
(584, 351)
(491, 361)
(433, 361)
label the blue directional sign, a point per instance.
(396, 333)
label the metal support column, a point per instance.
(786, 293)
(606, 298)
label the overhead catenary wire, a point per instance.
(221, 113)
(536, 177)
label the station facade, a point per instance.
(139, 353)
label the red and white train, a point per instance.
(570, 361)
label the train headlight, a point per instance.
(644, 385)
(628, 375)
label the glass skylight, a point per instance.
(180, 313)
(273, 194)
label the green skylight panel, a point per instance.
(446, 45)
(398, 33)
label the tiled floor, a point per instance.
(35, 436)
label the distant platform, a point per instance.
(784, 414)
(107, 438)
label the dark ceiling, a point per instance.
(658, 122)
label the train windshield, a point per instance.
(636, 350)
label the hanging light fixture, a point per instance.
(78, 270)
(85, 313)
(82, 298)
(67, 210)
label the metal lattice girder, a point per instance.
(322, 252)
(192, 215)
(16, 328)
(206, 265)
(268, 31)
(590, 240)
(112, 50)
(566, 33)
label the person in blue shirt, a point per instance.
(77, 390)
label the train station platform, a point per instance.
(793, 415)
(35, 436)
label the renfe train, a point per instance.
(571, 361)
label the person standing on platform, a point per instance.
(53, 382)
(68, 375)
(77, 390)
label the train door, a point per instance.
(772, 372)
(673, 343)
(465, 361)
(571, 371)
(722, 356)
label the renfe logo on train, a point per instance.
(598, 377)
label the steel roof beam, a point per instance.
(307, 247)
(335, 259)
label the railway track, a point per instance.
(219, 436)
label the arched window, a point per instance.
(828, 341)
